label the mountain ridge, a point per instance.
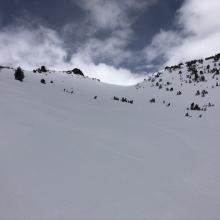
(76, 148)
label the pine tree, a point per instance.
(19, 74)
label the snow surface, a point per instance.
(70, 156)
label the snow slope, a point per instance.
(70, 156)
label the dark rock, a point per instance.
(43, 69)
(116, 98)
(152, 100)
(78, 72)
(124, 99)
(43, 81)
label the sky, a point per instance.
(117, 41)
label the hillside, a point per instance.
(75, 148)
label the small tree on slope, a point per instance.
(19, 74)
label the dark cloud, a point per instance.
(53, 13)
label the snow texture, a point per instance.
(68, 150)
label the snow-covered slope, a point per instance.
(67, 154)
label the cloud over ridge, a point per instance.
(31, 48)
(197, 34)
(100, 41)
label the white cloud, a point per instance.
(161, 45)
(200, 16)
(198, 36)
(30, 48)
(104, 72)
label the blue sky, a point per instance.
(116, 41)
